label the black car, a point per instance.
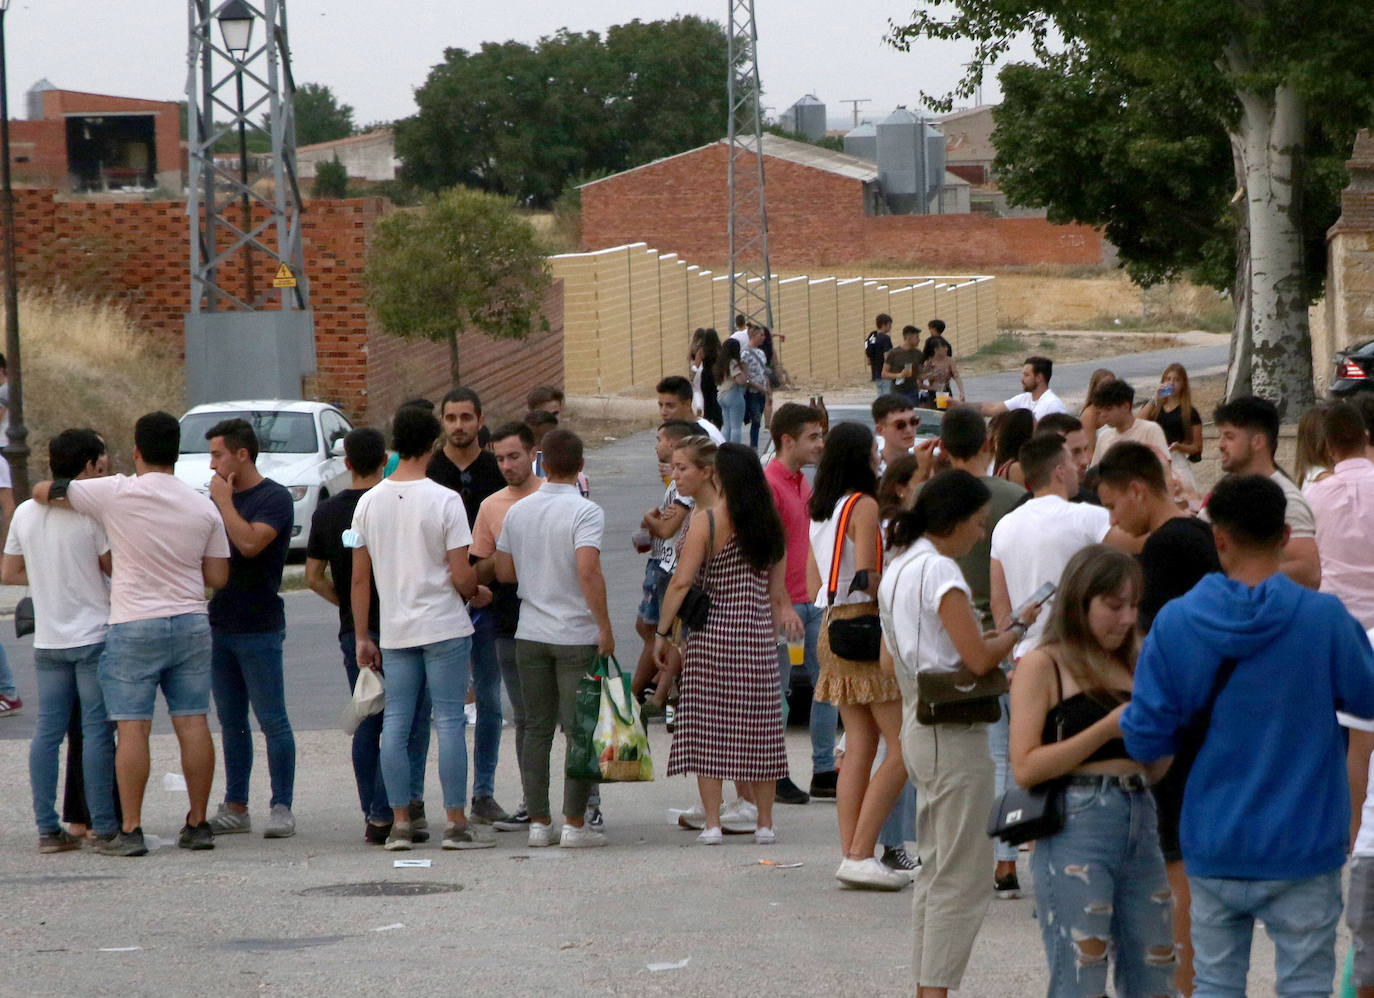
(1354, 370)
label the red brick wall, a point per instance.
(815, 218)
(144, 249)
(38, 153)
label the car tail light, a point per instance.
(1350, 369)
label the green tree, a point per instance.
(462, 261)
(523, 120)
(331, 180)
(1282, 83)
(319, 115)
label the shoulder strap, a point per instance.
(885, 613)
(841, 527)
(1203, 718)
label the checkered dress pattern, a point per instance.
(729, 715)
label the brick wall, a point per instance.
(143, 248)
(57, 104)
(815, 218)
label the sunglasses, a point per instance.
(904, 424)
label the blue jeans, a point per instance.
(732, 410)
(367, 745)
(172, 653)
(443, 665)
(754, 404)
(900, 827)
(7, 687)
(999, 742)
(247, 669)
(882, 385)
(1102, 879)
(486, 686)
(64, 675)
(1299, 915)
(825, 717)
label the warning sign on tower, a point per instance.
(284, 278)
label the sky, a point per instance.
(374, 54)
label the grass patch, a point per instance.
(1004, 344)
(86, 363)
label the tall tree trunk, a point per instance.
(453, 357)
(1269, 135)
(1238, 366)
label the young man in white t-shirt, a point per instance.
(550, 545)
(1035, 395)
(1115, 403)
(70, 556)
(1033, 543)
(410, 534)
(168, 545)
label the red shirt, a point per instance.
(791, 493)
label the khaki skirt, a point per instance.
(843, 680)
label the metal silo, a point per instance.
(33, 99)
(809, 115)
(862, 142)
(901, 162)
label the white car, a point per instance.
(300, 445)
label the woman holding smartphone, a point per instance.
(929, 625)
(1100, 885)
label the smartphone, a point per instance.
(1037, 598)
(1165, 391)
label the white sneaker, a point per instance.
(739, 817)
(869, 874)
(574, 837)
(540, 835)
(764, 837)
(227, 821)
(281, 823)
(694, 819)
(710, 837)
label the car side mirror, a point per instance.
(337, 447)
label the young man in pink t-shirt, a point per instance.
(797, 441)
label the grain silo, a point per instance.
(911, 163)
(862, 142)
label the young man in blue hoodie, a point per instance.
(1266, 811)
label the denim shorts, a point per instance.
(655, 585)
(141, 655)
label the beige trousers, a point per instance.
(953, 774)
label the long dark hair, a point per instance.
(709, 342)
(928, 350)
(898, 474)
(1012, 429)
(846, 466)
(729, 350)
(946, 501)
(758, 528)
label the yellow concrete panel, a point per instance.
(852, 325)
(791, 315)
(646, 337)
(824, 330)
(674, 331)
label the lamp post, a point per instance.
(236, 26)
(16, 449)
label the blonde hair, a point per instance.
(1312, 451)
(700, 449)
(1097, 570)
(1185, 397)
(1100, 377)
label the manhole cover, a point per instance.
(378, 889)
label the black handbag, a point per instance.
(696, 602)
(857, 639)
(23, 617)
(1024, 814)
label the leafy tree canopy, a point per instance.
(319, 115)
(464, 260)
(523, 120)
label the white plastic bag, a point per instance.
(368, 699)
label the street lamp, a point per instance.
(16, 449)
(236, 26)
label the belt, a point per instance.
(1131, 782)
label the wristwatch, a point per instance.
(58, 489)
(1018, 627)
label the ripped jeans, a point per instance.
(1100, 891)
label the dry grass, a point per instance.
(85, 363)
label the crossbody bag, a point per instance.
(857, 639)
(696, 602)
(958, 697)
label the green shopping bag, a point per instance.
(608, 743)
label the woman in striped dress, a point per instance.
(729, 719)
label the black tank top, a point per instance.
(1079, 713)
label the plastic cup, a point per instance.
(643, 540)
(942, 400)
(796, 652)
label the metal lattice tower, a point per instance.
(750, 276)
(217, 108)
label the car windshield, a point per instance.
(278, 432)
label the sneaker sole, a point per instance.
(865, 885)
(195, 846)
(450, 844)
(511, 826)
(273, 833)
(581, 845)
(236, 830)
(692, 825)
(108, 852)
(64, 847)
(397, 847)
(1007, 895)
